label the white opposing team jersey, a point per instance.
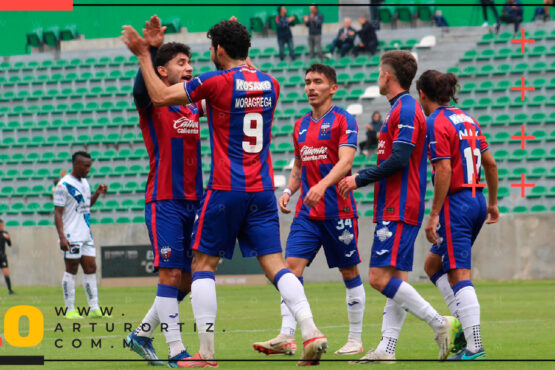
(75, 197)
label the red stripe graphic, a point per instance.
(38, 5)
(449, 241)
(201, 220)
(154, 233)
(398, 234)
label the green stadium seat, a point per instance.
(44, 222)
(503, 173)
(16, 208)
(285, 147)
(468, 87)
(551, 136)
(537, 191)
(516, 174)
(131, 187)
(520, 209)
(518, 155)
(369, 213)
(469, 71)
(537, 154)
(107, 220)
(538, 208)
(538, 173)
(280, 164)
(519, 119)
(538, 67)
(538, 118)
(501, 138)
(502, 102)
(501, 155)
(485, 87)
(31, 208)
(503, 192)
(468, 104)
(469, 56)
(173, 25)
(485, 54)
(520, 69)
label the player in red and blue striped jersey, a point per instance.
(400, 186)
(325, 142)
(174, 189)
(457, 152)
(239, 202)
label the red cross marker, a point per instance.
(522, 41)
(474, 185)
(522, 138)
(472, 138)
(523, 88)
(522, 185)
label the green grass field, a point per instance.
(518, 322)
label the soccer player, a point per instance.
(400, 186)
(239, 202)
(325, 142)
(173, 192)
(5, 239)
(457, 151)
(72, 205)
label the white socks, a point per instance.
(149, 323)
(442, 282)
(89, 283)
(205, 308)
(356, 302)
(469, 314)
(293, 295)
(392, 322)
(68, 287)
(408, 298)
(288, 322)
(168, 313)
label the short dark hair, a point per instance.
(327, 71)
(404, 66)
(168, 51)
(439, 87)
(233, 37)
(79, 154)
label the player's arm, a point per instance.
(7, 238)
(342, 167)
(101, 189)
(292, 187)
(397, 161)
(160, 94)
(58, 213)
(490, 169)
(442, 182)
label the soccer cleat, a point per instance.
(466, 355)
(352, 347)
(313, 349)
(446, 336)
(73, 315)
(143, 347)
(282, 344)
(460, 340)
(97, 314)
(196, 361)
(373, 356)
(174, 361)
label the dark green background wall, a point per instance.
(101, 22)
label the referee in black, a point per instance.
(5, 238)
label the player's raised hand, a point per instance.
(134, 41)
(283, 202)
(493, 214)
(431, 227)
(102, 189)
(314, 195)
(154, 32)
(346, 185)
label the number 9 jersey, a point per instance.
(240, 104)
(455, 135)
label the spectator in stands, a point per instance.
(314, 23)
(345, 39)
(368, 37)
(372, 133)
(546, 4)
(485, 5)
(284, 34)
(375, 13)
(512, 13)
(5, 239)
(439, 19)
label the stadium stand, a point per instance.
(51, 107)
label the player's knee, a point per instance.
(89, 269)
(349, 273)
(170, 276)
(377, 280)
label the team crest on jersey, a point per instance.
(166, 253)
(384, 234)
(325, 128)
(346, 237)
